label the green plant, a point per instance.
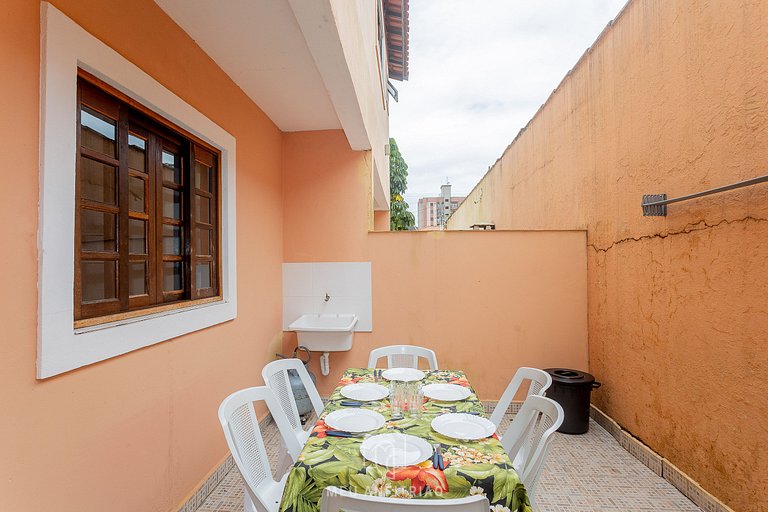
(399, 217)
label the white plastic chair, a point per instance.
(529, 438)
(403, 356)
(335, 500)
(540, 382)
(275, 376)
(241, 429)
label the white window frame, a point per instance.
(65, 46)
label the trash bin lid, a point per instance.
(570, 376)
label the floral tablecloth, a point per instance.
(472, 467)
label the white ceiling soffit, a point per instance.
(260, 45)
(315, 17)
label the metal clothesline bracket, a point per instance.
(655, 205)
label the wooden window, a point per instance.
(147, 215)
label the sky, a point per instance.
(479, 71)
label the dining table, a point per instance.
(470, 467)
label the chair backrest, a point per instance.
(540, 382)
(403, 356)
(276, 377)
(529, 437)
(335, 499)
(241, 429)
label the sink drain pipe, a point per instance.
(325, 364)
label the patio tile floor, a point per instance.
(586, 473)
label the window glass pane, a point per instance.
(98, 231)
(203, 275)
(136, 194)
(172, 276)
(172, 240)
(137, 236)
(171, 167)
(202, 177)
(202, 242)
(171, 203)
(137, 278)
(97, 131)
(136, 152)
(203, 206)
(99, 280)
(98, 182)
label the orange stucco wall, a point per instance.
(381, 220)
(137, 432)
(486, 304)
(672, 99)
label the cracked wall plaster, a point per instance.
(672, 98)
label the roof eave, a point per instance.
(397, 25)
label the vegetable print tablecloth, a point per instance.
(473, 467)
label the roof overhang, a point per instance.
(396, 22)
(286, 55)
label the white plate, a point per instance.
(403, 374)
(396, 450)
(354, 420)
(446, 392)
(365, 391)
(463, 426)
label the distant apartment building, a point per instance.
(434, 211)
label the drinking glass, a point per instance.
(396, 398)
(414, 398)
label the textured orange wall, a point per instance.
(486, 302)
(674, 99)
(137, 432)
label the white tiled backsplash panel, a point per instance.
(348, 284)
(297, 279)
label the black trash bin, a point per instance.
(571, 389)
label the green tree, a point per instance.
(399, 217)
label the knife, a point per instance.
(339, 433)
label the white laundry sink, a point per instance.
(325, 333)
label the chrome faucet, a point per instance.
(327, 297)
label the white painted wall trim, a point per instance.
(65, 46)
